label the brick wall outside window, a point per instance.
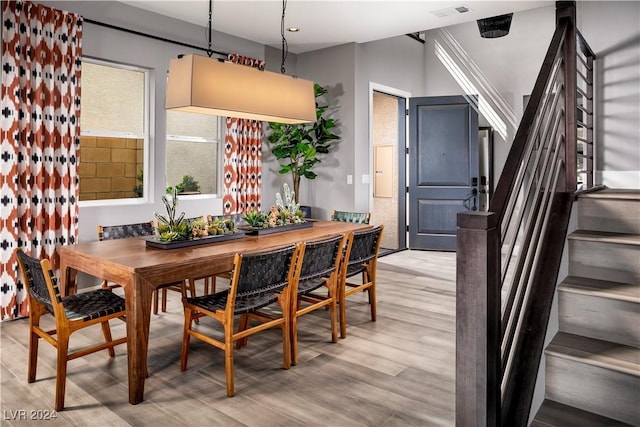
(108, 167)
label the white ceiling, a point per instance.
(325, 23)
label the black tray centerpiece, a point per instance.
(181, 232)
(285, 215)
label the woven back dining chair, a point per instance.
(123, 231)
(356, 217)
(209, 282)
(259, 280)
(320, 269)
(113, 232)
(363, 247)
(70, 313)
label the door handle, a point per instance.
(470, 197)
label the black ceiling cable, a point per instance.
(210, 27)
(285, 45)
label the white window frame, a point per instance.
(220, 160)
(147, 196)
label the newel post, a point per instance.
(478, 320)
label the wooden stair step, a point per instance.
(601, 288)
(594, 375)
(605, 256)
(605, 237)
(555, 414)
(614, 194)
(596, 352)
(610, 210)
(600, 309)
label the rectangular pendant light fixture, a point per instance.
(199, 84)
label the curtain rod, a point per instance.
(151, 36)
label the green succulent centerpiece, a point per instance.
(216, 227)
(285, 212)
(171, 229)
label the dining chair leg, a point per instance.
(184, 354)
(213, 284)
(343, 316)
(192, 287)
(164, 299)
(192, 293)
(372, 297)
(286, 340)
(333, 313)
(228, 358)
(294, 339)
(365, 279)
(106, 330)
(243, 324)
(34, 339)
(155, 302)
(207, 280)
(61, 368)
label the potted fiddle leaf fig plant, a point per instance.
(299, 147)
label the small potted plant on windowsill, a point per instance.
(138, 190)
(189, 185)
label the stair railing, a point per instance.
(584, 123)
(508, 258)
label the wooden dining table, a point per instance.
(140, 269)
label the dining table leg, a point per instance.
(138, 298)
(67, 279)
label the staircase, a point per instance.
(593, 363)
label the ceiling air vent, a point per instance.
(450, 11)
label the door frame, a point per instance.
(402, 156)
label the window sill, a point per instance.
(142, 200)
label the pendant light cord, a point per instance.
(285, 45)
(209, 48)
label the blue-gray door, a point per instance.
(443, 169)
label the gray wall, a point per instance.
(613, 32)
(507, 68)
(334, 69)
(398, 63)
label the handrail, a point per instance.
(505, 182)
(585, 49)
(508, 258)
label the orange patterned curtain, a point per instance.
(39, 139)
(242, 157)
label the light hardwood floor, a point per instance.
(398, 371)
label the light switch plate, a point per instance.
(349, 179)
